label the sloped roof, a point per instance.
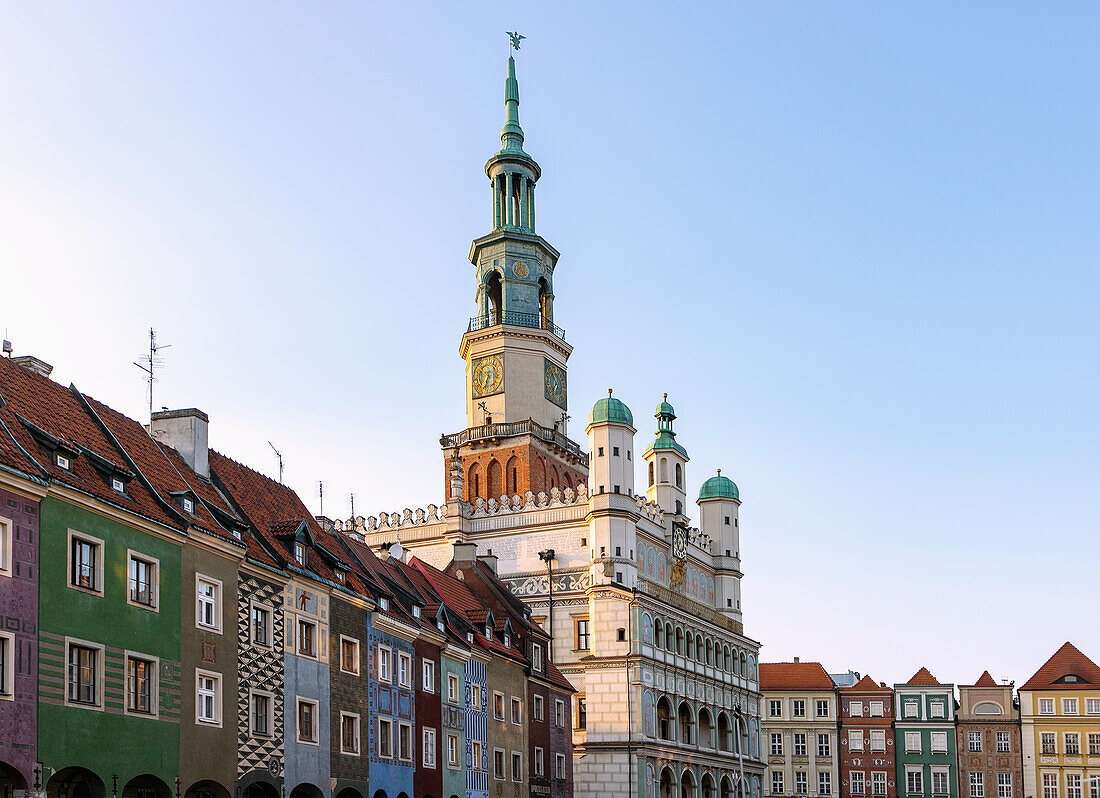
(1066, 661)
(923, 678)
(985, 680)
(865, 685)
(557, 678)
(794, 676)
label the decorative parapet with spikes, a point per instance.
(384, 521)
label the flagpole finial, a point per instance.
(516, 38)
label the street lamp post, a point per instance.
(738, 718)
(547, 556)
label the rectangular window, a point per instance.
(349, 733)
(855, 740)
(476, 756)
(536, 708)
(823, 745)
(208, 697)
(539, 764)
(878, 739)
(404, 741)
(775, 709)
(452, 688)
(559, 766)
(777, 782)
(856, 778)
(208, 607)
(517, 766)
(910, 709)
(777, 744)
(299, 554)
(1046, 741)
(798, 708)
(1092, 706)
(582, 634)
(939, 742)
(878, 782)
(86, 563)
(825, 783)
(582, 712)
(799, 740)
(977, 784)
(5, 546)
(498, 763)
(428, 746)
(876, 709)
(1069, 707)
(7, 667)
(1073, 785)
(1046, 706)
(143, 581)
(914, 782)
(517, 711)
(821, 708)
(1094, 744)
(974, 742)
(1003, 744)
(307, 638)
(349, 655)
(452, 750)
(800, 782)
(498, 706)
(261, 625)
(140, 676)
(559, 713)
(1004, 785)
(404, 670)
(385, 738)
(475, 696)
(307, 721)
(427, 676)
(1073, 745)
(855, 709)
(937, 709)
(1050, 783)
(385, 662)
(912, 742)
(84, 668)
(939, 782)
(261, 714)
(536, 656)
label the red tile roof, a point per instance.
(557, 678)
(867, 684)
(923, 678)
(794, 676)
(985, 680)
(1066, 661)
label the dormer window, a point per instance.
(416, 611)
(440, 627)
(117, 485)
(469, 637)
(63, 462)
(188, 505)
(384, 603)
(507, 641)
(340, 577)
(299, 554)
(488, 632)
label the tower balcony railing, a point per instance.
(516, 319)
(510, 429)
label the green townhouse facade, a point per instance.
(924, 737)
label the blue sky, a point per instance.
(855, 243)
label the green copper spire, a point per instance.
(512, 134)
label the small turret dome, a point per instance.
(719, 487)
(664, 409)
(610, 409)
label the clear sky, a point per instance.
(855, 243)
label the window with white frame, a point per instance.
(536, 656)
(1004, 745)
(141, 677)
(261, 625)
(307, 721)
(1094, 787)
(1004, 785)
(977, 784)
(1072, 743)
(427, 743)
(5, 546)
(798, 708)
(1073, 785)
(1069, 707)
(825, 783)
(300, 553)
(914, 781)
(349, 733)
(1050, 785)
(1094, 745)
(910, 709)
(855, 740)
(208, 605)
(498, 763)
(559, 766)
(939, 742)
(476, 756)
(937, 709)
(876, 709)
(856, 779)
(777, 782)
(824, 745)
(475, 696)
(349, 655)
(85, 562)
(385, 738)
(939, 781)
(974, 742)
(1046, 706)
(559, 713)
(775, 708)
(85, 663)
(821, 708)
(452, 688)
(517, 711)
(1092, 706)
(404, 741)
(798, 743)
(208, 697)
(878, 782)
(855, 709)
(536, 708)
(878, 739)
(385, 662)
(1047, 744)
(540, 762)
(307, 638)
(912, 742)
(427, 676)
(517, 766)
(452, 751)
(261, 714)
(404, 669)
(777, 744)
(7, 665)
(143, 580)
(498, 706)
(800, 782)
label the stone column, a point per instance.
(510, 216)
(496, 202)
(522, 201)
(531, 209)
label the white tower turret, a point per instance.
(666, 465)
(611, 447)
(719, 501)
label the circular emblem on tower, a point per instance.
(520, 269)
(488, 376)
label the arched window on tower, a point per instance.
(651, 473)
(495, 483)
(512, 475)
(473, 482)
(679, 506)
(664, 469)
(544, 303)
(494, 290)
(679, 476)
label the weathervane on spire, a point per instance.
(516, 38)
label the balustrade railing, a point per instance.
(516, 319)
(510, 429)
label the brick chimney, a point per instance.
(31, 363)
(186, 431)
(490, 560)
(465, 552)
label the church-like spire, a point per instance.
(511, 136)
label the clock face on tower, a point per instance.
(487, 377)
(679, 543)
(554, 383)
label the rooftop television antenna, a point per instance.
(150, 363)
(321, 493)
(280, 456)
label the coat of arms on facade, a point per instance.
(676, 574)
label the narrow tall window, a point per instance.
(206, 697)
(349, 733)
(582, 634)
(84, 573)
(856, 779)
(261, 626)
(307, 721)
(307, 633)
(7, 681)
(139, 685)
(977, 784)
(261, 714)
(5, 546)
(142, 581)
(1004, 785)
(83, 675)
(208, 601)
